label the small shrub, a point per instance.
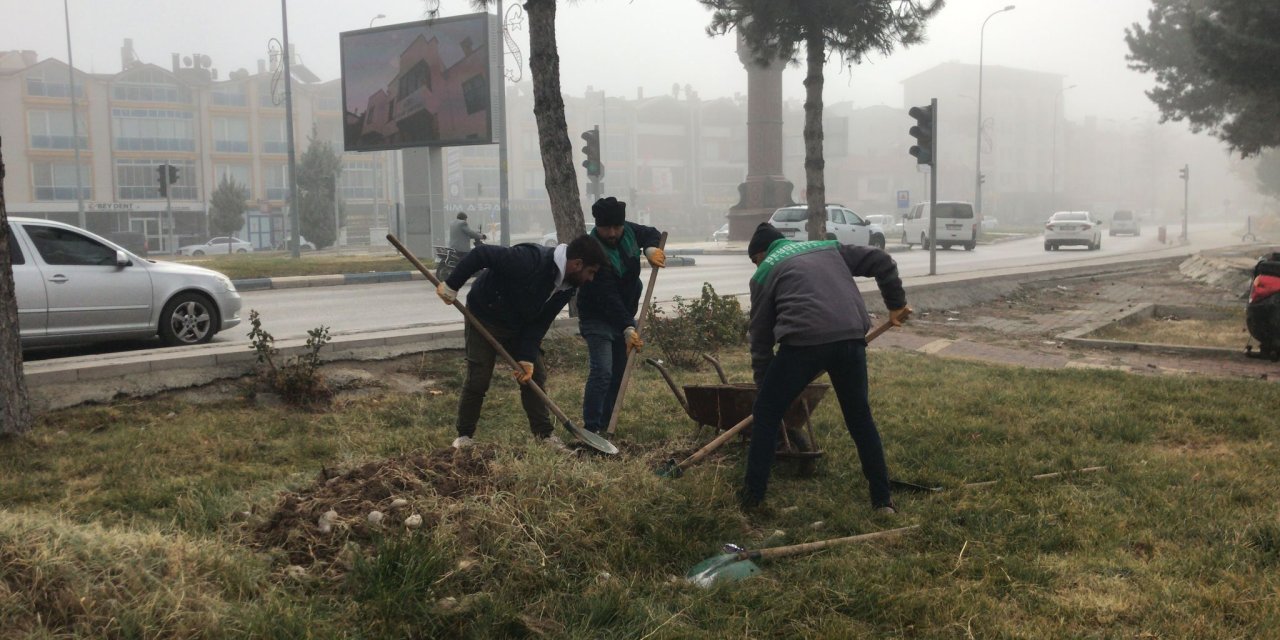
(702, 325)
(297, 379)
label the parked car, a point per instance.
(220, 245)
(989, 222)
(842, 224)
(956, 226)
(1079, 228)
(1124, 221)
(891, 224)
(721, 234)
(286, 244)
(135, 242)
(550, 240)
(74, 287)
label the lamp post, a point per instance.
(377, 17)
(1053, 182)
(75, 126)
(977, 177)
(295, 220)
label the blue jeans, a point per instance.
(607, 354)
(788, 374)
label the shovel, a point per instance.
(592, 440)
(631, 358)
(673, 469)
(736, 563)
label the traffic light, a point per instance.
(162, 176)
(925, 146)
(595, 168)
(173, 174)
(1185, 172)
(982, 178)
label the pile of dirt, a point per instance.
(303, 527)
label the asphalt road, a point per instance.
(289, 313)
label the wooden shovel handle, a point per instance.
(795, 549)
(632, 357)
(479, 327)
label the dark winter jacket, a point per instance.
(517, 291)
(615, 297)
(803, 295)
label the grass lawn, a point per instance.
(1228, 331)
(163, 518)
(279, 264)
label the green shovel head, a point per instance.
(593, 440)
(722, 568)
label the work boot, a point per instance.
(555, 442)
(887, 510)
(462, 442)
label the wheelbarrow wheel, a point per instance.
(806, 466)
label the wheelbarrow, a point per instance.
(724, 406)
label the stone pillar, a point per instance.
(425, 220)
(765, 188)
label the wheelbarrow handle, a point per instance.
(480, 328)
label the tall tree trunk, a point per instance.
(548, 110)
(814, 164)
(15, 409)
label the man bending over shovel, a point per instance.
(607, 306)
(804, 299)
(517, 298)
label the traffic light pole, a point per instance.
(933, 191)
(295, 221)
(1186, 190)
(168, 208)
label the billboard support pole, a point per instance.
(504, 209)
(294, 222)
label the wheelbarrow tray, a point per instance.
(724, 405)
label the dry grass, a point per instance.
(1228, 331)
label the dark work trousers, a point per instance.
(790, 371)
(480, 361)
(607, 360)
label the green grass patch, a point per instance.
(138, 518)
(277, 264)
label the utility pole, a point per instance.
(1185, 174)
(75, 126)
(504, 210)
(294, 221)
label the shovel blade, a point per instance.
(593, 440)
(722, 568)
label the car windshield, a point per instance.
(958, 210)
(1070, 217)
(793, 214)
(1123, 215)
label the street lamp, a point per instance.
(977, 177)
(1053, 182)
(377, 17)
(75, 125)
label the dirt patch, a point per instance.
(395, 487)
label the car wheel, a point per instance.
(924, 242)
(877, 241)
(197, 252)
(969, 246)
(1048, 247)
(188, 318)
(241, 251)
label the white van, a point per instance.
(957, 225)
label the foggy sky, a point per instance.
(615, 45)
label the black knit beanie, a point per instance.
(763, 237)
(609, 212)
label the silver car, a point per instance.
(74, 287)
(217, 246)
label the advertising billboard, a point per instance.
(420, 84)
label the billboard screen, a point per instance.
(420, 84)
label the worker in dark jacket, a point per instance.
(517, 298)
(607, 306)
(804, 299)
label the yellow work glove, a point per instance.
(632, 337)
(899, 316)
(656, 257)
(445, 293)
(525, 373)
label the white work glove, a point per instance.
(445, 293)
(657, 257)
(632, 338)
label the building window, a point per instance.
(47, 85)
(356, 182)
(57, 181)
(241, 174)
(417, 76)
(153, 130)
(150, 85)
(266, 95)
(475, 92)
(138, 179)
(273, 138)
(329, 103)
(231, 135)
(52, 130)
(233, 95)
(277, 185)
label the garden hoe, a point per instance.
(632, 358)
(736, 563)
(673, 469)
(593, 440)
